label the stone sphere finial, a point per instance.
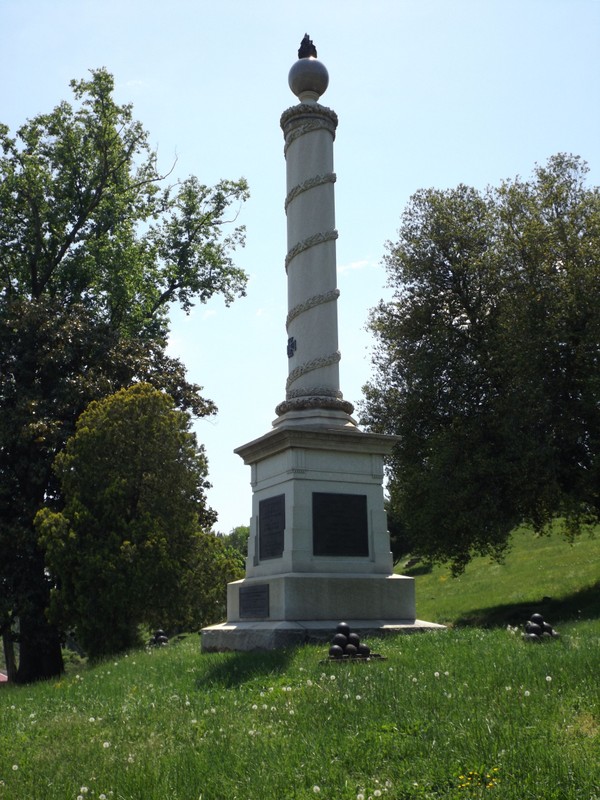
(308, 78)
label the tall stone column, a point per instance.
(313, 393)
(319, 549)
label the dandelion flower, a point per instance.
(360, 796)
(548, 678)
(15, 767)
(316, 789)
(106, 745)
(527, 692)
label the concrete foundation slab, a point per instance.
(247, 636)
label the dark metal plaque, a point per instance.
(271, 526)
(340, 526)
(254, 600)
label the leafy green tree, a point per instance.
(237, 539)
(94, 248)
(130, 545)
(487, 362)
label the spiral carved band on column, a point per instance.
(305, 118)
(314, 391)
(309, 366)
(312, 302)
(311, 183)
(311, 241)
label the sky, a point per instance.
(429, 93)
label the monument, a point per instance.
(319, 548)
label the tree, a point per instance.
(93, 251)
(127, 546)
(487, 362)
(237, 539)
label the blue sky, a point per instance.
(428, 93)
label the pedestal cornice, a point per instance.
(337, 439)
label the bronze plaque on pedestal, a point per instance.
(340, 526)
(271, 527)
(254, 601)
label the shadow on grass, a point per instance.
(234, 669)
(584, 604)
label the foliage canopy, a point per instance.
(125, 549)
(487, 362)
(94, 248)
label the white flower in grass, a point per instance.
(360, 796)
(102, 796)
(436, 674)
(316, 789)
(106, 745)
(15, 767)
(358, 697)
(377, 793)
(84, 790)
(527, 693)
(548, 678)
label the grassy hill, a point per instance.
(471, 712)
(541, 573)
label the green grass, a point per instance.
(470, 712)
(515, 720)
(541, 573)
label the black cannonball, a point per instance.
(547, 628)
(354, 638)
(531, 637)
(344, 628)
(340, 639)
(537, 619)
(350, 650)
(533, 627)
(335, 651)
(158, 633)
(364, 650)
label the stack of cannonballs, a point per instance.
(160, 639)
(537, 630)
(346, 644)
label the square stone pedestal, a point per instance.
(319, 550)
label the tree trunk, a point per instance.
(40, 654)
(9, 655)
